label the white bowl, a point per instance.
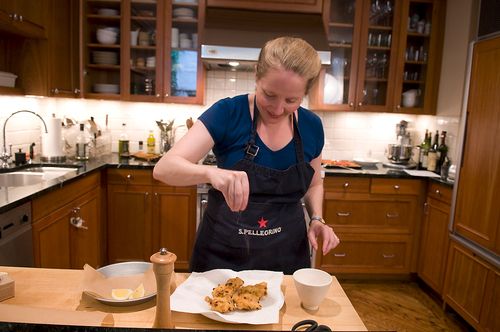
(107, 12)
(183, 12)
(106, 88)
(106, 39)
(312, 286)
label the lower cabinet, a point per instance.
(67, 226)
(376, 221)
(145, 215)
(434, 238)
(472, 288)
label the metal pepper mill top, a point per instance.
(163, 266)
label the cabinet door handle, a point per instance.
(388, 256)
(20, 18)
(128, 178)
(360, 104)
(438, 192)
(392, 215)
(426, 208)
(396, 187)
(343, 214)
(351, 104)
(346, 185)
(343, 254)
(77, 222)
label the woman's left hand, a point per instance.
(330, 239)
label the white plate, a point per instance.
(190, 296)
(124, 269)
(366, 161)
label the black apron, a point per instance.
(271, 233)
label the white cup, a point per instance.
(133, 37)
(185, 43)
(312, 286)
(175, 38)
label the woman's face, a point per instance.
(279, 93)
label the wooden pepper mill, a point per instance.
(163, 266)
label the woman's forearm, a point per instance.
(178, 171)
(314, 199)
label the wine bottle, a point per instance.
(442, 152)
(424, 149)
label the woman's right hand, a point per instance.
(233, 185)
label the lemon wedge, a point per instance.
(121, 293)
(138, 292)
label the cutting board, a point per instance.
(23, 314)
(146, 156)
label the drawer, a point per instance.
(373, 216)
(346, 184)
(130, 176)
(396, 186)
(368, 253)
(439, 192)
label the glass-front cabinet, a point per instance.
(142, 50)
(367, 41)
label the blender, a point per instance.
(399, 154)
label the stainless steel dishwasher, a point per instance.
(16, 240)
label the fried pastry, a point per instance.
(233, 295)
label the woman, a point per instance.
(268, 151)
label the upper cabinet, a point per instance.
(385, 56)
(23, 17)
(142, 50)
(302, 6)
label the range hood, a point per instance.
(232, 35)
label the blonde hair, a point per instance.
(290, 53)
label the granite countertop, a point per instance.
(14, 196)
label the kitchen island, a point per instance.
(54, 296)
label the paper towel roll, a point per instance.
(52, 140)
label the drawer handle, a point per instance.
(438, 192)
(388, 256)
(343, 214)
(396, 187)
(340, 254)
(346, 185)
(392, 215)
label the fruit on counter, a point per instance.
(138, 292)
(121, 293)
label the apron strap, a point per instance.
(251, 149)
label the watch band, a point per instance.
(321, 220)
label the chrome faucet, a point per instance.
(5, 156)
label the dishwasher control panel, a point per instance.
(14, 219)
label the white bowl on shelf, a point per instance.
(106, 36)
(183, 12)
(106, 88)
(108, 12)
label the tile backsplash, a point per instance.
(347, 134)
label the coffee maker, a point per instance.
(399, 154)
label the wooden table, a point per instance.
(55, 294)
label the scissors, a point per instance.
(310, 325)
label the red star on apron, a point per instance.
(262, 222)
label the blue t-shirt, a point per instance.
(229, 123)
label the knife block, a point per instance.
(7, 287)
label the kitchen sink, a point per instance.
(33, 175)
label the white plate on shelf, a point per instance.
(190, 296)
(366, 161)
(183, 12)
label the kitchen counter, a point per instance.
(13, 196)
(54, 296)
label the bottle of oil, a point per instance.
(82, 144)
(151, 142)
(123, 143)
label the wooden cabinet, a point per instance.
(472, 288)
(145, 215)
(376, 221)
(377, 55)
(302, 6)
(434, 237)
(24, 17)
(146, 63)
(476, 214)
(45, 65)
(62, 48)
(67, 226)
